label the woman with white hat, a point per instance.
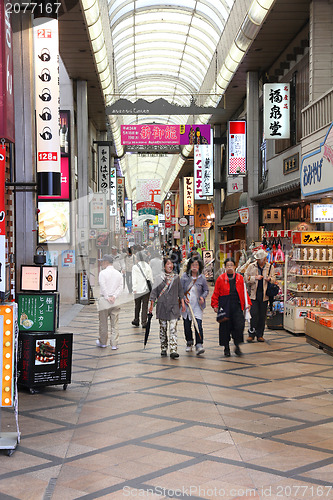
(258, 275)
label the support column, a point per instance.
(217, 199)
(25, 154)
(252, 148)
(82, 173)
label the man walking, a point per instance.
(111, 286)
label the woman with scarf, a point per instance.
(168, 295)
(196, 290)
(229, 293)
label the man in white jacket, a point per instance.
(111, 286)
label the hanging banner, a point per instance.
(128, 211)
(121, 194)
(202, 210)
(167, 213)
(207, 156)
(165, 134)
(7, 129)
(103, 158)
(237, 148)
(276, 111)
(148, 194)
(198, 173)
(46, 64)
(188, 196)
(113, 192)
(244, 215)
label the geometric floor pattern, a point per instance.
(135, 425)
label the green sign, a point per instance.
(37, 312)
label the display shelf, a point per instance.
(306, 255)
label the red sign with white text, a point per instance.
(7, 130)
(167, 213)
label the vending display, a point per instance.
(309, 277)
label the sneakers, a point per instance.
(114, 347)
(163, 353)
(99, 344)
(135, 323)
(227, 352)
(261, 339)
(174, 355)
(238, 352)
(189, 346)
(199, 349)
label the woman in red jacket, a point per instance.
(229, 293)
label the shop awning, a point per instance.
(278, 190)
(229, 218)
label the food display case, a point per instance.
(308, 277)
(319, 327)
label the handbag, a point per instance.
(272, 288)
(148, 281)
(247, 314)
(223, 311)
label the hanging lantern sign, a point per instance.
(244, 215)
(46, 64)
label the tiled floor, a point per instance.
(135, 425)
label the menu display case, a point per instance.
(308, 277)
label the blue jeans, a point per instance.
(188, 331)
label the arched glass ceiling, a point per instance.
(163, 50)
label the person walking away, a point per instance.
(156, 264)
(111, 286)
(168, 295)
(142, 280)
(230, 287)
(195, 291)
(129, 263)
(258, 275)
(176, 259)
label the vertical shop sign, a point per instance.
(103, 155)
(198, 160)
(276, 111)
(207, 168)
(7, 129)
(237, 147)
(98, 212)
(113, 191)
(2, 218)
(188, 196)
(46, 61)
(167, 213)
(121, 193)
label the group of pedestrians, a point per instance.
(158, 284)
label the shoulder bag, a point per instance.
(148, 281)
(272, 288)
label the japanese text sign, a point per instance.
(103, 155)
(121, 193)
(237, 148)
(113, 191)
(313, 238)
(98, 211)
(155, 134)
(167, 212)
(277, 111)
(188, 196)
(37, 312)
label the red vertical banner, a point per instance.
(167, 213)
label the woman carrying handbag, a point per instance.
(230, 294)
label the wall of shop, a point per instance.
(275, 174)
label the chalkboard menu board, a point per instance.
(38, 312)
